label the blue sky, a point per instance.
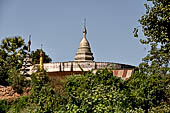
(58, 25)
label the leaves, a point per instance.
(100, 92)
(43, 94)
(35, 55)
(12, 51)
(135, 32)
(156, 26)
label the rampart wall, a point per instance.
(86, 66)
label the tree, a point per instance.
(149, 91)
(16, 80)
(156, 26)
(151, 83)
(12, 52)
(35, 55)
(43, 95)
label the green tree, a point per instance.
(12, 52)
(35, 55)
(17, 80)
(43, 95)
(156, 26)
(150, 85)
(149, 91)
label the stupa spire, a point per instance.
(84, 30)
(29, 43)
(84, 51)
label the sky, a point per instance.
(58, 25)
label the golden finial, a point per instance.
(41, 58)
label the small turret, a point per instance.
(27, 62)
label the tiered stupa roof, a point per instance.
(84, 51)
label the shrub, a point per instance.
(4, 106)
(17, 80)
(43, 94)
(100, 92)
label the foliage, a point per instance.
(152, 80)
(162, 108)
(35, 55)
(12, 51)
(43, 95)
(17, 80)
(153, 90)
(3, 68)
(17, 105)
(100, 92)
(103, 92)
(156, 26)
(4, 106)
(148, 91)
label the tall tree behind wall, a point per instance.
(156, 28)
(12, 52)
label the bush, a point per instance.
(43, 94)
(100, 92)
(17, 80)
(18, 104)
(103, 92)
(4, 106)
(148, 90)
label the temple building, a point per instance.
(84, 60)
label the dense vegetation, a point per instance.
(13, 50)
(148, 89)
(103, 92)
(100, 92)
